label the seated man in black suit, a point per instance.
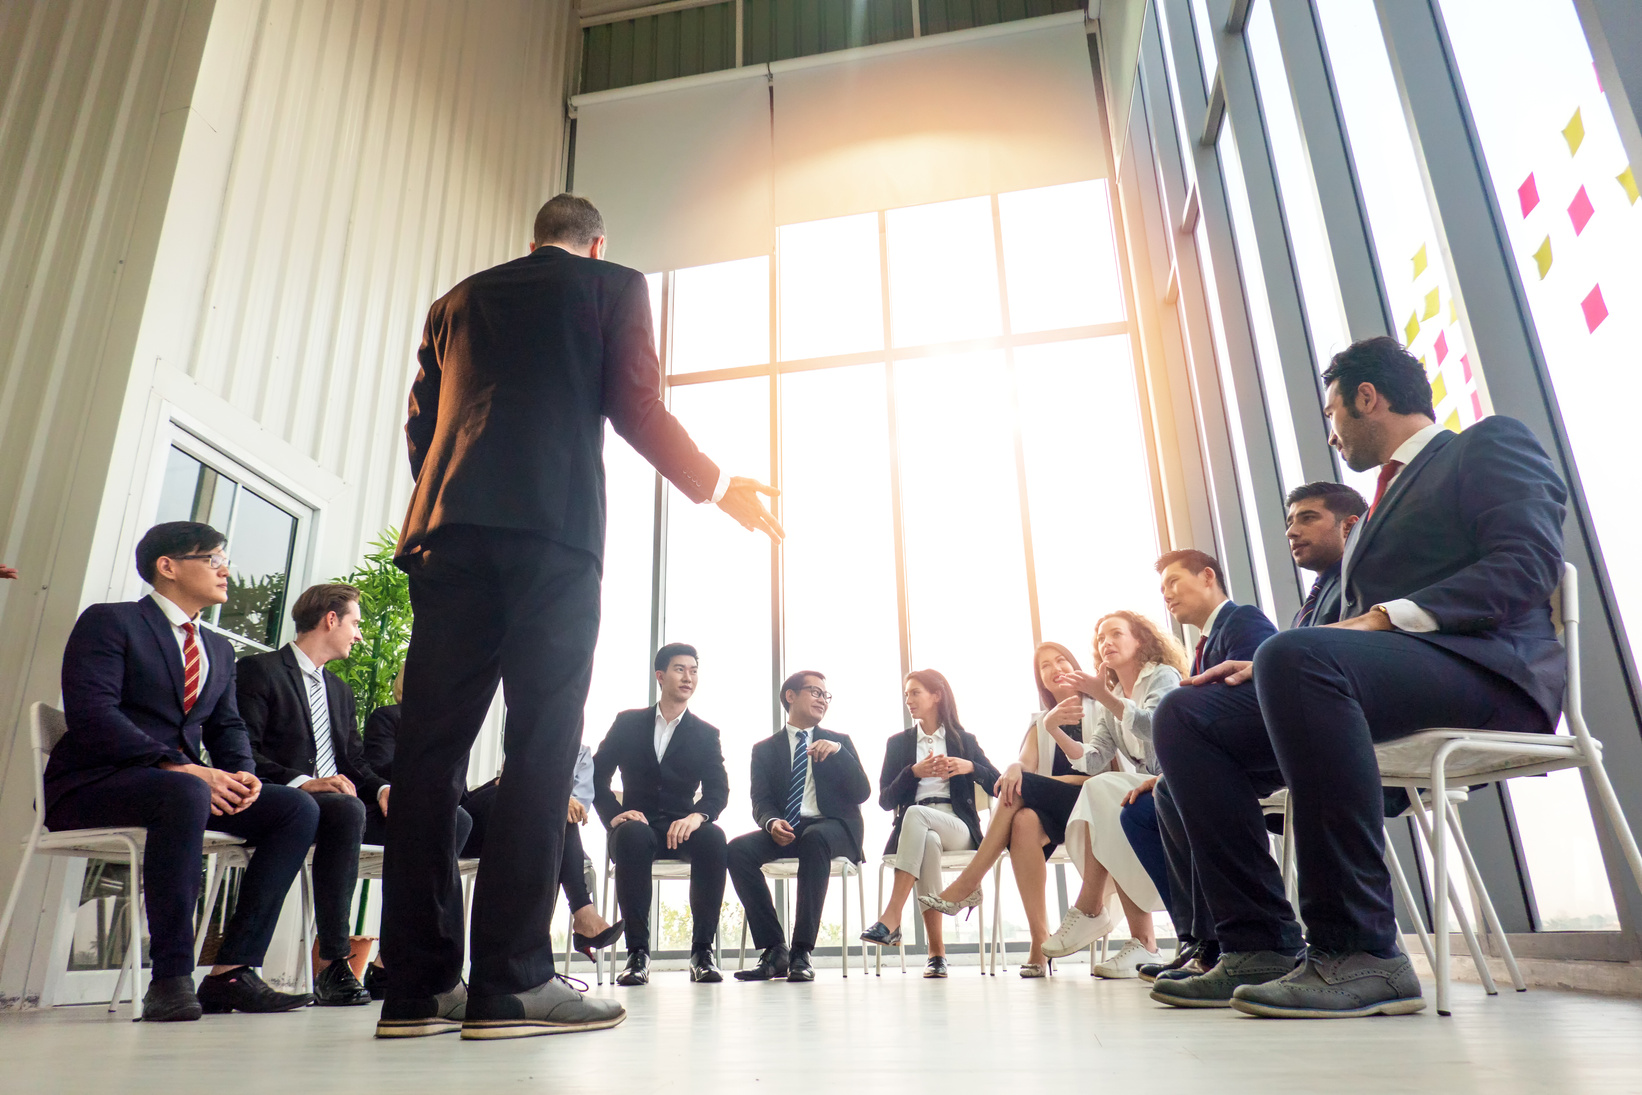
(1443, 620)
(147, 688)
(1320, 517)
(665, 755)
(808, 786)
(305, 734)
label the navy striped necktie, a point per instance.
(1304, 615)
(795, 787)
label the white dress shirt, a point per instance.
(664, 731)
(1405, 614)
(930, 745)
(809, 807)
(1208, 625)
(176, 617)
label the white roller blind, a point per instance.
(682, 176)
(957, 119)
(687, 172)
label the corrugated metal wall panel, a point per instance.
(936, 16)
(658, 47)
(779, 29)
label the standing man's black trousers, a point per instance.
(491, 605)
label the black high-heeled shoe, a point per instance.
(587, 944)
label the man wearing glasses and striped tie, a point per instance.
(807, 788)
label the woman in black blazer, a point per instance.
(930, 774)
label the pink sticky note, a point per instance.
(1441, 346)
(1528, 194)
(1595, 309)
(1580, 211)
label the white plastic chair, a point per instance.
(46, 729)
(843, 869)
(1060, 861)
(371, 859)
(950, 862)
(1432, 758)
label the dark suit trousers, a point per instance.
(175, 808)
(336, 869)
(1327, 695)
(1188, 905)
(491, 606)
(1139, 822)
(819, 842)
(635, 845)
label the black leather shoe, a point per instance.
(704, 968)
(243, 990)
(799, 968)
(376, 981)
(337, 987)
(881, 935)
(587, 944)
(171, 1000)
(637, 971)
(1148, 971)
(936, 966)
(771, 964)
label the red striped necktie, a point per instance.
(190, 667)
(1388, 472)
(1197, 657)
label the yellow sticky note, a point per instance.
(1574, 133)
(1542, 258)
(1453, 314)
(1627, 179)
(1411, 329)
(1453, 421)
(1419, 261)
(1433, 301)
(1439, 390)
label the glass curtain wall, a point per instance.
(946, 397)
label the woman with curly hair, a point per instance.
(1139, 664)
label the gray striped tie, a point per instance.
(324, 754)
(800, 770)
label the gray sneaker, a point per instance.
(1336, 987)
(1214, 989)
(556, 1007)
(421, 1016)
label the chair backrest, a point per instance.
(983, 802)
(46, 728)
(1565, 616)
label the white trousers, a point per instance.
(1094, 827)
(926, 833)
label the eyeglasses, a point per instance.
(824, 697)
(216, 560)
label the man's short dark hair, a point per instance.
(1195, 561)
(1341, 500)
(174, 538)
(1383, 362)
(796, 682)
(665, 656)
(320, 601)
(568, 218)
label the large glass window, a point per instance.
(1569, 199)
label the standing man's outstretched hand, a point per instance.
(741, 501)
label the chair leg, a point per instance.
(1438, 835)
(17, 883)
(1617, 825)
(997, 917)
(1291, 872)
(861, 902)
(134, 948)
(1489, 916)
(741, 963)
(880, 963)
(1399, 885)
(844, 916)
(308, 928)
(1479, 957)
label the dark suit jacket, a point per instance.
(664, 789)
(273, 698)
(1327, 586)
(381, 731)
(898, 787)
(520, 366)
(1471, 531)
(1238, 630)
(122, 699)
(841, 784)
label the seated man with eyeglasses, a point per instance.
(155, 740)
(807, 787)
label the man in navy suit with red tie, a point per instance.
(155, 740)
(1443, 620)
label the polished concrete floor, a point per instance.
(896, 1033)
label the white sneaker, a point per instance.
(1077, 931)
(1128, 962)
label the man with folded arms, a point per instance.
(1444, 620)
(147, 691)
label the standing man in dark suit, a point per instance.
(666, 756)
(807, 789)
(146, 688)
(503, 542)
(1444, 621)
(1320, 518)
(305, 734)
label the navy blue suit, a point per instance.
(1471, 531)
(123, 701)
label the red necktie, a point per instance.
(190, 668)
(1388, 472)
(1197, 658)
